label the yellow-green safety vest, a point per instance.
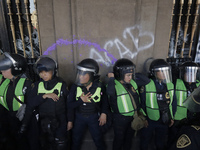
(124, 102)
(41, 88)
(181, 95)
(152, 108)
(18, 92)
(96, 94)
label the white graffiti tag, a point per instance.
(132, 33)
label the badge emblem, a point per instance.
(183, 141)
(142, 89)
(196, 127)
(133, 90)
(167, 95)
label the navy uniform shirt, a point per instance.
(73, 104)
(187, 139)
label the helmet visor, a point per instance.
(193, 102)
(190, 73)
(163, 74)
(130, 69)
(84, 76)
(5, 62)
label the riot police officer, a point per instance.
(184, 86)
(159, 104)
(14, 91)
(88, 101)
(122, 90)
(48, 97)
(189, 133)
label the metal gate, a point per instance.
(20, 31)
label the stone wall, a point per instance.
(105, 30)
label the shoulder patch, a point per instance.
(167, 95)
(183, 141)
(196, 127)
(133, 90)
(142, 89)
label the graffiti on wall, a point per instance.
(104, 55)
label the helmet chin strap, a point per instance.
(13, 78)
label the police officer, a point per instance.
(14, 91)
(159, 104)
(121, 89)
(48, 97)
(184, 86)
(189, 134)
(88, 100)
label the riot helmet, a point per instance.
(192, 102)
(188, 71)
(160, 70)
(15, 62)
(46, 63)
(123, 66)
(87, 71)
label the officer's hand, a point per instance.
(86, 98)
(53, 96)
(146, 123)
(69, 125)
(102, 119)
(172, 122)
(110, 75)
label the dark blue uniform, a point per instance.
(178, 123)
(187, 138)
(158, 127)
(52, 115)
(16, 141)
(86, 115)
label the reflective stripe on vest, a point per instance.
(181, 95)
(152, 107)
(18, 92)
(41, 88)
(124, 101)
(96, 96)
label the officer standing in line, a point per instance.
(88, 101)
(189, 134)
(184, 86)
(49, 97)
(121, 89)
(14, 91)
(159, 103)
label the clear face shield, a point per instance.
(84, 76)
(6, 61)
(189, 73)
(163, 74)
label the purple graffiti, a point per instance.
(81, 42)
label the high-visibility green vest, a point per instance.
(152, 107)
(124, 102)
(181, 95)
(96, 96)
(18, 92)
(1, 77)
(41, 88)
